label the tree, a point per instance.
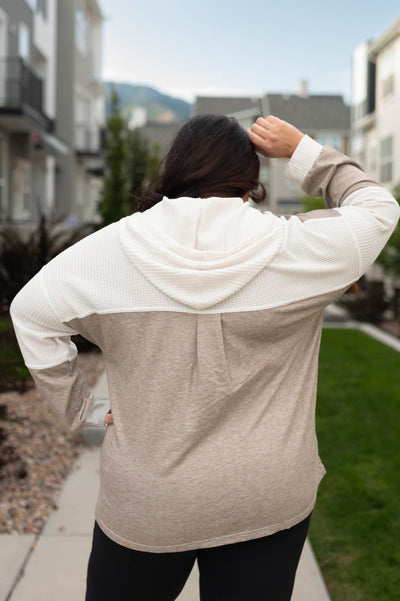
(22, 257)
(312, 203)
(390, 256)
(114, 203)
(142, 163)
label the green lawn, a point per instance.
(355, 530)
(13, 372)
(14, 375)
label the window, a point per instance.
(3, 211)
(41, 7)
(264, 175)
(373, 159)
(23, 41)
(331, 140)
(31, 3)
(386, 159)
(81, 25)
(21, 190)
(387, 67)
(388, 85)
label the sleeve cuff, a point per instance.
(303, 159)
(97, 413)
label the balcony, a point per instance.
(21, 98)
(88, 140)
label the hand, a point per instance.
(273, 137)
(108, 420)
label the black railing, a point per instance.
(88, 139)
(20, 87)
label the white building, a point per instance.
(376, 106)
(80, 108)
(51, 109)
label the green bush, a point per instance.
(312, 203)
(390, 256)
(22, 257)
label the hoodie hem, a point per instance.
(218, 541)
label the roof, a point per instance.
(386, 38)
(224, 105)
(161, 134)
(314, 112)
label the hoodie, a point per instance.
(208, 313)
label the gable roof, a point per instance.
(316, 112)
(225, 105)
(161, 134)
(309, 113)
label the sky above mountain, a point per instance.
(239, 47)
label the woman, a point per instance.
(208, 313)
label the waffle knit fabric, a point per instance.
(209, 315)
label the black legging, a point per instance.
(262, 569)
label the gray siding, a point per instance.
(18, 12)
(65, 124)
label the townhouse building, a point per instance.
(376, 106)
(51, 109)
(325, 118)
(80, 108)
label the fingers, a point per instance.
(268, 123)
(108, 420)
(273, 137)
(265, 132)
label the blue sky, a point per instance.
(239, 47)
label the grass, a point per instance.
(355, 530)
(13, 372)
(14, 375)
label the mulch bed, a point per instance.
(392, 327)
(36, 454)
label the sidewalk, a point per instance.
(53, 564)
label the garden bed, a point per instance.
(36, 453)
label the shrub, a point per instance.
(21, 258)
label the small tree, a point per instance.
(21, 258)
(312, 203)
(114, 202)
(142, 163)
(390, 256)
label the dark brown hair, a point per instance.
(210, 156)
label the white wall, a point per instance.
(388, 108)
(3, 48)
(360, 74)
(44, 39)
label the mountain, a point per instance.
(160, 108)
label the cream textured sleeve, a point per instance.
(50, 354)
(369, 210)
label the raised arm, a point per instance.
(368, 210)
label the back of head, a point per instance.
(210, 156)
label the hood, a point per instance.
(200, 251)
